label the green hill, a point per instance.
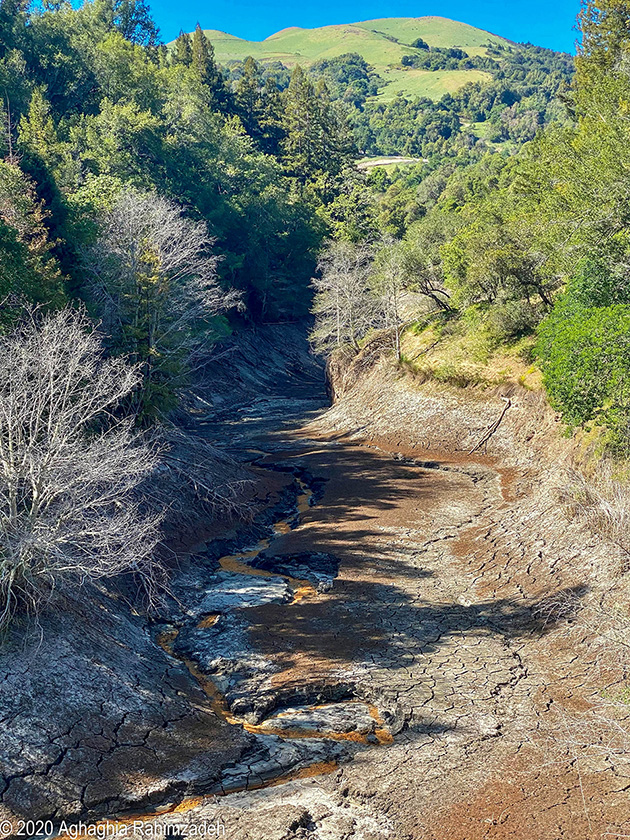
(382, 43)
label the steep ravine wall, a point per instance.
(388, 407)
(381, 399)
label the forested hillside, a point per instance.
(428, 97)
(101, 125)
(516, 251)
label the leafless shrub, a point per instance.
(602, 503)
(596, 626)
(196, 479)
(68, 466)
(559, 607)
(602, 731)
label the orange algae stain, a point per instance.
(303, 592)
(189, 804)
(208, 621)
(166, 640)
(108, 828)
(237, 563)
(304, 500)
(383, 735)
(219, 705)
(281, 528)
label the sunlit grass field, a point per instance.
(382, 43)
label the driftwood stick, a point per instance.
(426, 350)
(492, 429)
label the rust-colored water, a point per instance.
(237, 563)
(302, 589)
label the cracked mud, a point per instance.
(376, 664)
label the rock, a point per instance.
(335, 719)
(318, 568)
(235, 591)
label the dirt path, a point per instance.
(422, 692)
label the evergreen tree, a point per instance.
(303, 147)
(271, 122)
(37, 130)
(182, 51)
(206, 69)
(249, 102)
(317, 136)
(338, 145)
(133, 20)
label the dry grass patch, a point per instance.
(462, 355)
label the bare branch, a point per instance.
(68, 466)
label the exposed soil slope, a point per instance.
(383, 656)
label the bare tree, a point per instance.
(153, 276)
(389, 283)
(344, 306)
(68, 466)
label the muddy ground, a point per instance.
(388, 654)
(431, 687)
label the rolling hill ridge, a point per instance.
(381, 42)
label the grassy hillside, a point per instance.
(425, 83)
(381, 42)
(436, 31)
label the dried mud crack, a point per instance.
(215, 651)
(435, 614)
(381, 663)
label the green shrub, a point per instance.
(513, 319)
(584, 353)
(602, 281)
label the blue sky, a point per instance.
(543, 23)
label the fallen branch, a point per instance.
(425, 350)
(492, 429)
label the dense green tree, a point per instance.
(182, 50)
(205, 67)
(349, 77)
(585, 357)
(303, 146)
(30, 270)
(132, 18)
(317, 134)
(37, 129)
(13, 19)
